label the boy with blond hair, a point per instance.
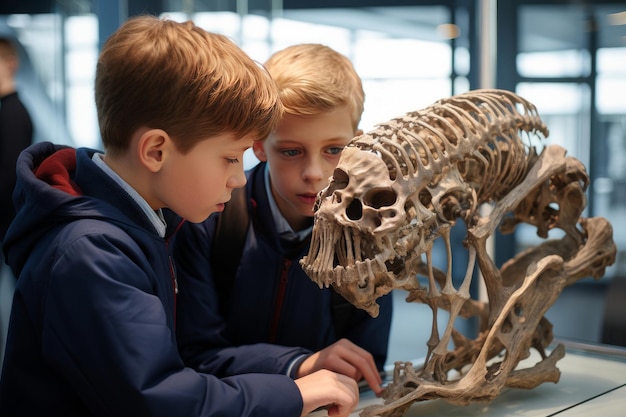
(92, 329)
(267, 297)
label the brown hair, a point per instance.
(314, 78)
(177, 77)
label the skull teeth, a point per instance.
(359, 273)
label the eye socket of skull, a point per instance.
(380, 197)
(339, 181)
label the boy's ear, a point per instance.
(153, 146)
(259, 150)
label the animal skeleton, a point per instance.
(405, 184)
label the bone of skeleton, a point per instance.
(403, 186)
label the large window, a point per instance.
(573, 72)
(570, 60)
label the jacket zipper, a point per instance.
(280, 298)
(174, 284)
(173, 267)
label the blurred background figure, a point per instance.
(16, 129)
(16, 133)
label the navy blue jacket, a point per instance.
(271, 300)
(92, 322)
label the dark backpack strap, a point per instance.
(226, 251)
(228, 242)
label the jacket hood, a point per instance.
(57, 184)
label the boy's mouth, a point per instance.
(308, 198)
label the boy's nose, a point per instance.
(238, 180)
(313, 170)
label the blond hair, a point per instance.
(180, 78)
(314, 79)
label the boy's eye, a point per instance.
(232, 160)
(335, 150)
(290, 152)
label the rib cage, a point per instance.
(405, 184)
(478, 132)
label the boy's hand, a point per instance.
(338, 393)
(345, 358)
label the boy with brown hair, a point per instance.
(92, 329)
(267, 297)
